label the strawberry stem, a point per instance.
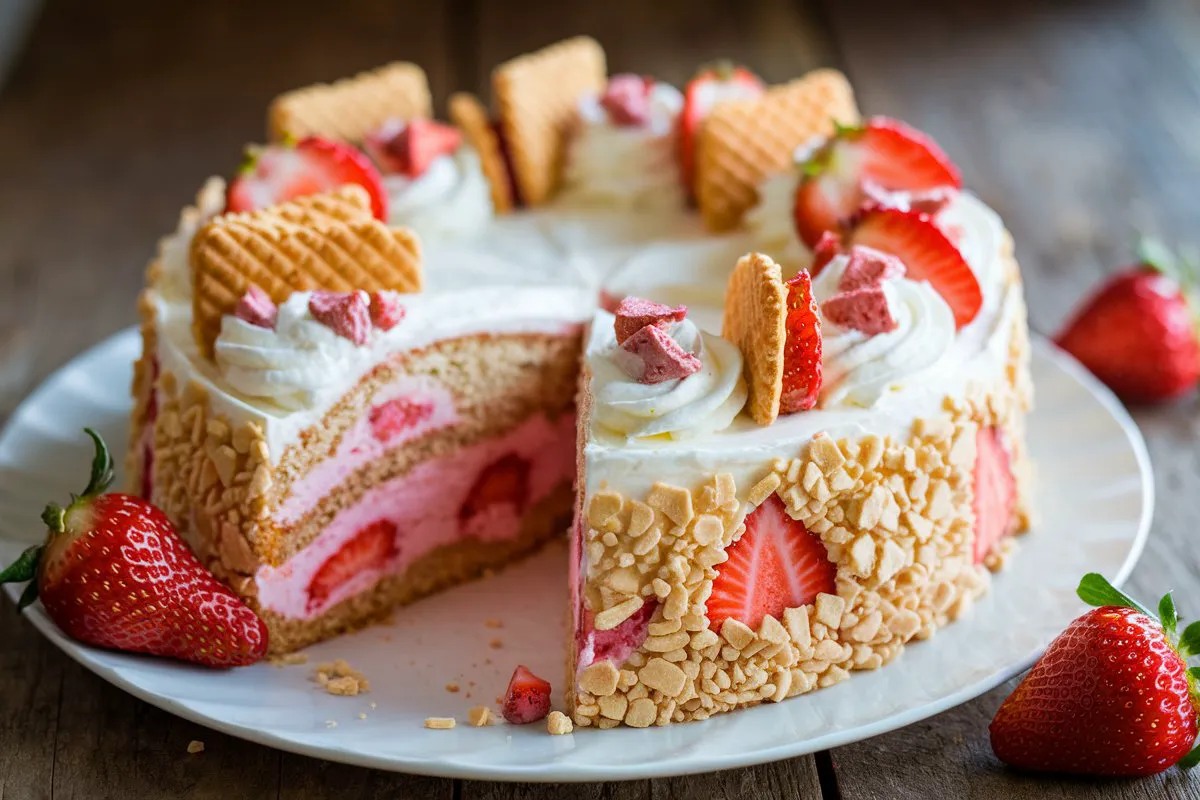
(1167, 615)
(1189, 642)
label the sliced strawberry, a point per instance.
(281, 172)
(995, 492)
(711, 87)
(927, 255)
(884, 154)
(371, 548)
(409, 148)
(802, 350)
(527, 698)
(503, 482)
(827, 248)
(777, 564)
(394, 417)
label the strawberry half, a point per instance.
(280, 172)
(1112, 695)
(927, 255)
(777, 564)
(113, 573)
(884, 154)
(995, 492)
(708, 89)
(527, 698)
(1138, 332)
(802, 350)
(369, 549)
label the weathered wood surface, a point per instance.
(1075, 121)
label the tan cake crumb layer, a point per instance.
(497, 383)
(444, 567)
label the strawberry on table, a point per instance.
(1138, 332)
(408, 148)
(709, 88)
(1112, 695)
(802, 348)
(527, 698)
(859, 163)
(777, 564)
(113, 573)
(926, 253)
(280, 172)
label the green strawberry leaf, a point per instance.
(1190, 760)
(1095, 590)
(24, 568)
(1168, 615)
(102, 467)
(28, 596)
(1153, 253)
(1189, 641)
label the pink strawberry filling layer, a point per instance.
(479, 492)
(405, 409)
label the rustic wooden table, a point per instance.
(1075, 122)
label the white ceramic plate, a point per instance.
(1094, 501)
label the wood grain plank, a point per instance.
(31, 673)
(308, 779)
(628, 790)
(1071, 119)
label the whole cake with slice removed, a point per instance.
(784, 427)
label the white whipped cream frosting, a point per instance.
(452, 199)
(290, 364)
(703, 402)
(859, 369)
(617, 166)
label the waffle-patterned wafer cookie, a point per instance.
(351, 108)
(746, 141)
(536, 95)
(472, 119)
(282, 257)
(755, 313)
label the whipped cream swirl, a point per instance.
(617, 166)
(291, 364)
(703, 402)
(859, 369)
(451, 200)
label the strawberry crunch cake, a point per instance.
(766, 362)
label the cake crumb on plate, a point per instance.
(480, 716)
(559, 723)
(195, 746)
(340, 679)
(288, 660)
(453, 688)
(439, 723)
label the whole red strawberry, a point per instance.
(1138, 332)
(1112, 696)
(113, 573)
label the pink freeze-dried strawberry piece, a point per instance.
(635, 313)
(864, 310)
(869, 267)
(408, 148)
(609, 301)
(256, 308)
(386, 311)
(626, 98)
(390, 419)
(652, 356)
(345, 313)
(527, 698)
